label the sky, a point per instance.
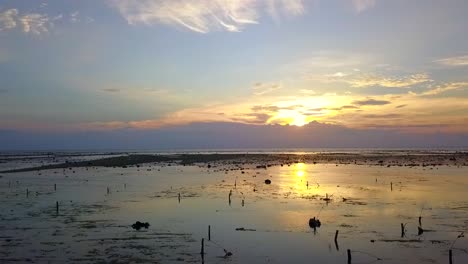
(120, 71)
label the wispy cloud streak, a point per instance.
(203, 16)
(363, 5)
(33, 23)
(454, 61)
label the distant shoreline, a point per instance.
(411, 159)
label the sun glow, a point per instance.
(290, 117)
(298, 120)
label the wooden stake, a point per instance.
(450, 257)
(179, 197)
(349, 256)
(402, 230)
(391, 186)
(209, 233)
(420, 221)
(202, 246)
(27, 193)
(336, 241)
(56, 208)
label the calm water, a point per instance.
(94, 225)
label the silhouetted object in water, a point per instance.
(202, 251)
(314, 223)
(267, 181)
(336, 241)
(138, 225)
(420, 231)
(227, 253)
(245, 229)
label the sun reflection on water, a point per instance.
(299, 169)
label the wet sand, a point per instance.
(368, 200)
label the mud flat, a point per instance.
(387, 208)
(408, 159)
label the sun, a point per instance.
(289, 117)
(298, 120)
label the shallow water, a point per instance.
(94, 226)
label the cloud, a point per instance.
(371, 102)
(224, 135)
(445, 88)
(111, 90)
(363, 5)
(333, 60)
(203, 16)
(361, 80)
(33, 23)
(344, 107)
(391, 82)
(308, 91)
(264, 88)
(8, 19)
(385, 116)
(268, 108)
(454, 61)
(75, 17)
(253, 118)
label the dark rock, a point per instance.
(227, 253)
(267, 181)
(314, 223)
(138, 225)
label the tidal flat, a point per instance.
(405, 207)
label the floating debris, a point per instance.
(327, 198)
(245, 229)
(267, 181)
